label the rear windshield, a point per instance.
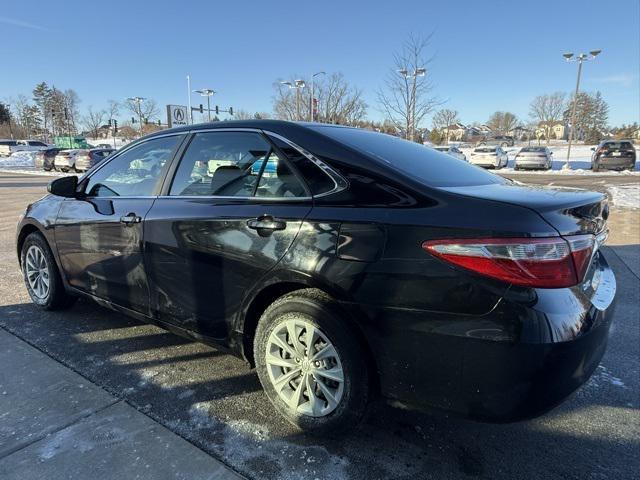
(417, 161)
(533, 149)
(618, 146)
(11, 143)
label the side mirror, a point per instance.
(64, 186)
(593, 149)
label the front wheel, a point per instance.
(41, 275)
(311, 363)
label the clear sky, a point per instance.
(488, 55)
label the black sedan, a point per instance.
(344, 264)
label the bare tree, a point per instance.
(113, 109)
(406, 96)
(242, 115)
(547, 110)
(443, 119)
(145, 110)
(338, 101)
(502, 122)
(93, 120)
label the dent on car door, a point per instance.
(231, 212)
(99, 234)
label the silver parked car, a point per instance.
(65, 160)
(453, 151)
(489, 157)
(534, 157)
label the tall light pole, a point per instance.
(189, 111)
(297, 84)
(311, 113)
(138, 101)
(207, 92)
(417, 72)
(583, 57)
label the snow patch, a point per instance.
(625, 195)
(19, 159)
(244, 442)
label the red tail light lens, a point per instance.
(528, 262)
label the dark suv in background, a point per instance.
(614, 155)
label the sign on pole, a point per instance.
(176, 115)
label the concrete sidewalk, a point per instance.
(56, 424)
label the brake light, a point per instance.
(529, 262)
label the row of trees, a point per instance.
(54, 112)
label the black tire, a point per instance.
(595, 167)
(324, 313)
(57, 298)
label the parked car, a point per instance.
(453, 151)
(105, 145)
(489, 157)
(503, 140)
(7, 147)
(65, 160)
(534, 158)
(86, 159)
(614, 155)
(44, 159)
(366, 265)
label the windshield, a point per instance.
(533, 149)
(485, 150)
(417, 161)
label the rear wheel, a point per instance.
(311, 364)
(41, 275)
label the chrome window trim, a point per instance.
(231, 197)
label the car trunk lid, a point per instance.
(569, 211)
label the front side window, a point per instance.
(234, 164)
(136, 172)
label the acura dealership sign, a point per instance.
(177, 115)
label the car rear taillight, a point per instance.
(529, 262)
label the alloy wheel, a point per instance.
(304, 368)
(37, 271)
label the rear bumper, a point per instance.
(542, 163)
(615, 162)
(533, 350)
(484, 161)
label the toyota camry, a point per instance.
(345, 265)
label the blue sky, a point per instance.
(488, 55)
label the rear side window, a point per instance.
(234, 164)
(410, 158)
(317, 180)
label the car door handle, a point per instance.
(266, 222)
(130, 219)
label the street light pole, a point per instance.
(418, 72)
(207, 92)
(297, 84)
(583, 57)
(138, 101)
(311, 113)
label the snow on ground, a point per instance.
(19, 159)
(625, 195)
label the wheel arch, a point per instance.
(276, 289)
(26, 230)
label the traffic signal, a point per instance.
(146, 120)
(230, 110)
(159, 124)
(201, 108)
(115, 126)
(217, 110)
(133, 119)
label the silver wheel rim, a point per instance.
(304, 368)
(37, 271)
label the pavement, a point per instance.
(89, 393)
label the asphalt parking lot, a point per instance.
(214, 401)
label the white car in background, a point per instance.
(7, 147)
(489, 157)
(453, 151)
(533, 157)
(65, 160)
